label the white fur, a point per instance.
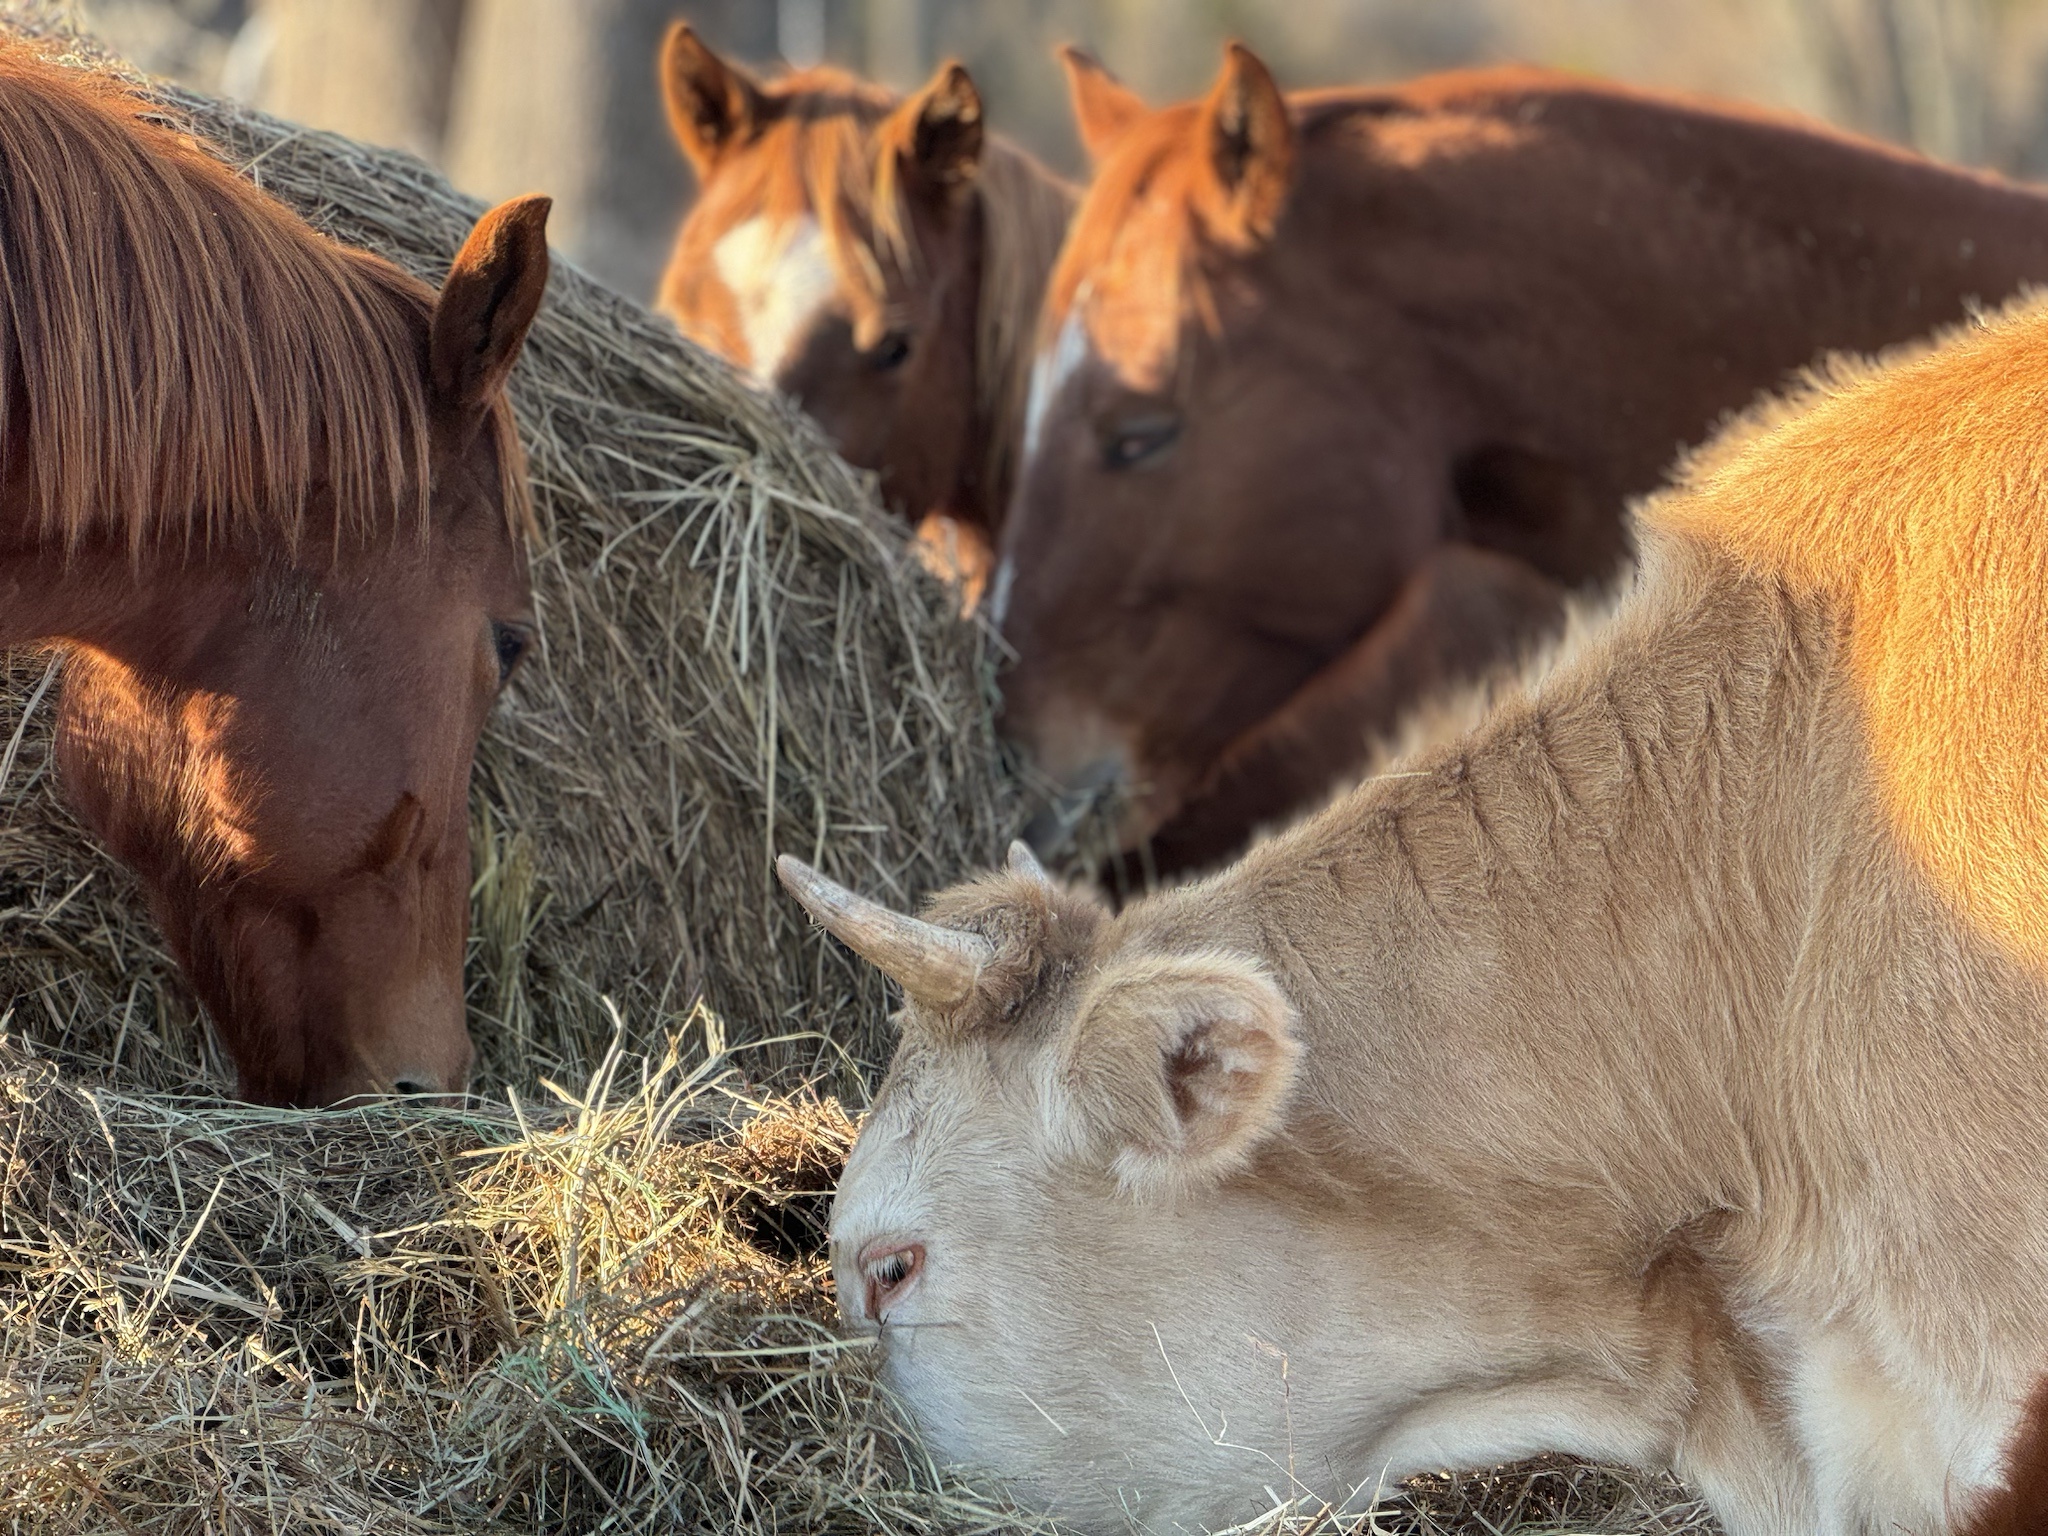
(999, 591)
(1444, 1262)
(780, 278)
(1050, 373)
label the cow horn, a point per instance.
(1024, 863)
(934, 966)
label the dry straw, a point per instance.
(601, 1314)
(737, 658)
(604, 1311)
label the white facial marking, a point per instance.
(999, 592)
(780, 277)
(1050, 371)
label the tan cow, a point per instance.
(1658, 1074)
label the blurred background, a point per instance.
(511, 96)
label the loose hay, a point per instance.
(602, 1313)
(223, 1319)
(737, 656)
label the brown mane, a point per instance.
(261, 361)
(1157, 163)
(829, 147)
(1151, 161)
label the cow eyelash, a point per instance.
(893, 1270)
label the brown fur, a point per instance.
(1104, 107)
(2020, 1508)
(267, 494)
(825, 144)
(230, 401)
(1664, 1055)
(1490, 307)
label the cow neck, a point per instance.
(1534, 971)
(1543, 947)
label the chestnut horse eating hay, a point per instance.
(265, 494)
(1338, 396)
(881, 262)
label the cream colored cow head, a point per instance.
(1056, 1219)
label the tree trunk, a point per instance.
(559, 98)
(374, 69)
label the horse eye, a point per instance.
(1139, 442)
(510, 641)
(892, 351)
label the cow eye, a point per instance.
(1131, 444)
(885, 1274)
(892, 351)
(893, 1270)
(511, 642)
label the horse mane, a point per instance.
(182, 359)
(1912, 495)
(1152, 166)
(830, 149)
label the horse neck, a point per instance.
(1609, 311)
(1021, 216)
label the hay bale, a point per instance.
(737, 657)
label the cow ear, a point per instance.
(1250, 139)
(711, 105)
(1175, 1069)
(940, 133)
(1104, 107)
(493, 291)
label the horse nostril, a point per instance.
(414, 1085)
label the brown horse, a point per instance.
(882, 262)
(266, 495)
(1337, 396)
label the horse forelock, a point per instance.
(1131, 275)
(262, 361)
(830, 152)
(1915, 500)
(815, 157)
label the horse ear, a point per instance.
(1104, 107)
(942, 133)
(1250, 140)
(490, 298)
(711, 105)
